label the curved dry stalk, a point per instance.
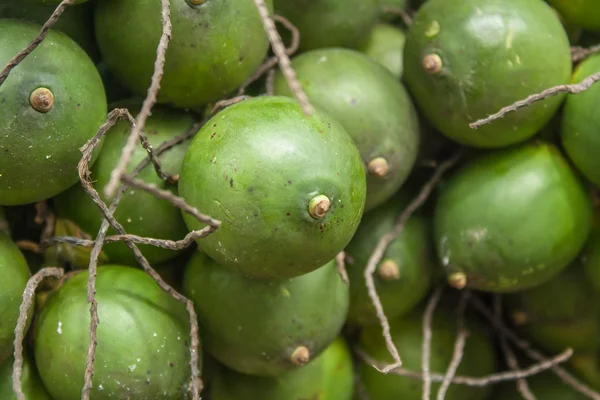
(20, 56)
(426, 345)
(579, 53)
(283, 59)
(483, 381)
(341, 267)
(148, 103)
(382, 246)
(28, 298)
(574, 88)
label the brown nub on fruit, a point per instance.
(378, 167)
(432, 63)
(300, 355)
(457, 280)
(41, 99)
(388, 270)
(318, 206)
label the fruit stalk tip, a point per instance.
(388, 270)
(300, 355)
(378, 167)
(457, 280)
(42, 99)
(319, 206)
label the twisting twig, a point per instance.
(473, 381)
(382, 246)
(459, 346)
(283, 59)
(28, 297)
(148, 103)
(28, 245)
(341, 267)
(196, 383)
(509, 355)
(270, 84)
(574, 88)
(534, 354)
(221, 104)
(579, 53)
(16, 60)
(271, 62)
(426, 344)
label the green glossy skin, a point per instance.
(316, 380)
(412, 251)
(253, 326)
(139, 212)
(407, 334)
(330, 23)
(40, 151)
(580, 131)
(591, 258)
(214, 48)
(15, 274)
(583, 13)
(76, 22)
(143, 338)
(545, 386)
(386, 46)
(30, 381)
(512, 219)
(370, 103)
(493, 53)
(557, 322)
(255, 166)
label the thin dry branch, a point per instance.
(221, 104)
(382, 246)
(534, 354)
(272, 62)
(579, 53)
(459, 345)
(574, 88)
(341, 267)
(282, 58)
(509, 355)
(426, 345)
(403, 14)
(20, 56)
(148, 103)
(28, 298)
(492, 379)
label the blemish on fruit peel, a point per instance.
(433, 29)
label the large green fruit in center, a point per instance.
(580, 132)
(51, 104)
(511, 219)
(143, 338)
(267, 172)
(14, 275)
(464, 60)
(215, 46)
(260, 327)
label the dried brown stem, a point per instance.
(459, 346)
(403, 14)
(28, 298)
(579, 53)
(175, 245)
(28, 245)
(509, 355)
(41, 208)
(574, 88)
(426, 345)
(221, 104)
(534, 354)
(341, 267)
(270, 84)
(476, 381)
(148, 103)
(272, 61)
(20, 56)
(282, 58)
(382, 246)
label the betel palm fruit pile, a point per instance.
(185, 213)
